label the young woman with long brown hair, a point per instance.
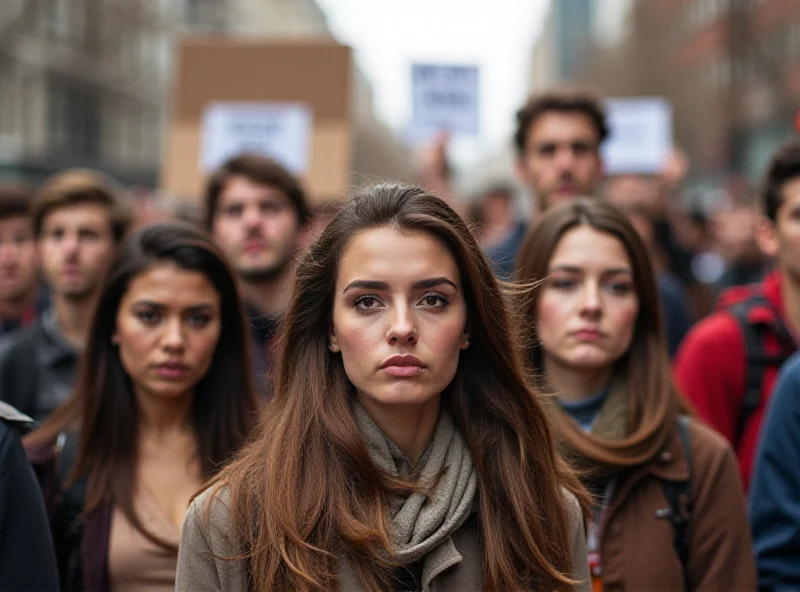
(403, 448)
(164, 398)
(669, 511)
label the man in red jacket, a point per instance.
(727, 364)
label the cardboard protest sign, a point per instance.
(290, 99)
(640, 135)
(445, 98)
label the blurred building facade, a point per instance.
(86, 82)
(731, 69)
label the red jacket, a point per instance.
(710, 368)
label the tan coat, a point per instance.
(452, 567)
(637, 548)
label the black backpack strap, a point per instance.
(678, 494)
(757, 361)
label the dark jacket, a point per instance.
(81, 543)
(775, 492)
(637, 542)
(38, 371)
(263, 331)
(27, 560)
(711, 368)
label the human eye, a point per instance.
(546, 149)
(148, 316)
(434, 300)
(270, 207)
(562, 283)
(366, 303)
(234, 211)
(620, 287)
(199, 319)
(88, 234)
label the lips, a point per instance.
(254, 246)
(171, 370)
(403, 366)
(588, 334)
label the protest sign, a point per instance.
(281, 131)
(445, 98)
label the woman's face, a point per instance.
(168, 325)
(587, 310)
(399, 316)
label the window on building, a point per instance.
(204, 14)
(75, 118)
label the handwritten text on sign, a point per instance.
(281, 131)
(446, 98)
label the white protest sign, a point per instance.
(445, 98)
(281, 131)
(640, 135)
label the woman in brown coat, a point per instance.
(403, 449)
(669, 511)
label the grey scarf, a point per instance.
(422, 523)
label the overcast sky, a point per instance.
(497, 35)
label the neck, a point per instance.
(14, 308)
(163, 416)
(411, 427)
(270, 297)
(576, 384)
(74, 317)
(790, 294)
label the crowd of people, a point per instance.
(420, 396)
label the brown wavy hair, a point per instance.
(653, 401)
(103, 407)
(306, 491)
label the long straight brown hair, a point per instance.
(653, 402)
(103, 406)
(305, 492)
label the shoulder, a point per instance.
(213, 505)
(719, 333)
(710, 450)
(790, 371)
(718, 326)
(11, 418)
(209, 518)
(20, 342)
(573, 507)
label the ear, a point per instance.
(115, 339)
(333, 342)
(465, 338)
(766, 235)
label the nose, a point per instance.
(592, 305)
(252, 216)
(69, 243)
(402, 327)
(565, 158)
(173, 338)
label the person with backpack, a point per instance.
(669, 511)
(164, 398)
(727, 364)
(27, 560)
